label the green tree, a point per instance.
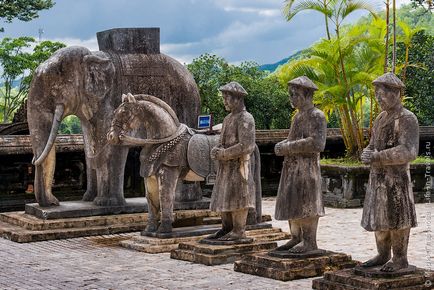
(24, 10)
(419, 77)
(416, 17)
(425, 4)
(406, 38)
(15, 62)
(70, 125)
(267, 99)
(17, 69)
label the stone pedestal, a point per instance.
(285, 268)
(74, 209)
(211, 255)
(158, 243)
(362, 279)
(154, 243)
(23, 228)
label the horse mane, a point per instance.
(159, 102)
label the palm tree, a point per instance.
(406, 38)
(334, 10)
(359, 49)
(387, 37)
(394, 37)
(318, 5)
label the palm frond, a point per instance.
(349, 6)
(289, 11)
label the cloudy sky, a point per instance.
(238, 30)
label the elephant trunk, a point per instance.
(58, 114)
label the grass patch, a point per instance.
(355, 162)
(340, 161)
(422, 160)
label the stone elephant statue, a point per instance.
(77, 81)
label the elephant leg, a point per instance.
(44, 175)
(118, 159)
(102, 198)
(153, 198)
(91, 187)
(110, 176)
(168, 178)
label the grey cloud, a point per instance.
(237, 30)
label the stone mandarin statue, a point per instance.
(389, 207)
(234, 191)
(299, 197)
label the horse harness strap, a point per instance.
(180, 131)
(170, 144)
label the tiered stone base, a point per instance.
(211, 255)
(356, 279)
(23, 228)
(160, 243)
(74, 209)
(285, 269)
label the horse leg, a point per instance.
(153, 198)
(168, 177)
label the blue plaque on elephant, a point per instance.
(204, 121)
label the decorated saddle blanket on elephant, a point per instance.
(170, 153)
(199, 157)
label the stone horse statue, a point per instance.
(170, 151)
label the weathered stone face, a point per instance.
(387, 97)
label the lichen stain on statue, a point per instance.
(165, 157)
(77, 81)
(237, 183)
(299, 197)
(389, 208)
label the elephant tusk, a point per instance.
(58, 114)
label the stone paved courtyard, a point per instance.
(94, 263)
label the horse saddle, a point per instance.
(199, 157)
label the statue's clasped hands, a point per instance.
(279, 149)
(121, 137)
(368, 156)
(217, 153)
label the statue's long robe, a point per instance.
(299, 194)
(389, 203)
(232, 190)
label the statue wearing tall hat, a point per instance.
(389, 208)
(299, 197)
(234, 190)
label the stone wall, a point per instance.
(345, 186)
(342, 186)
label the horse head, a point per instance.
(157, 117)
(124, 119)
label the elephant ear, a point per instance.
(131, 98)
(124, 98)
(98, 75)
